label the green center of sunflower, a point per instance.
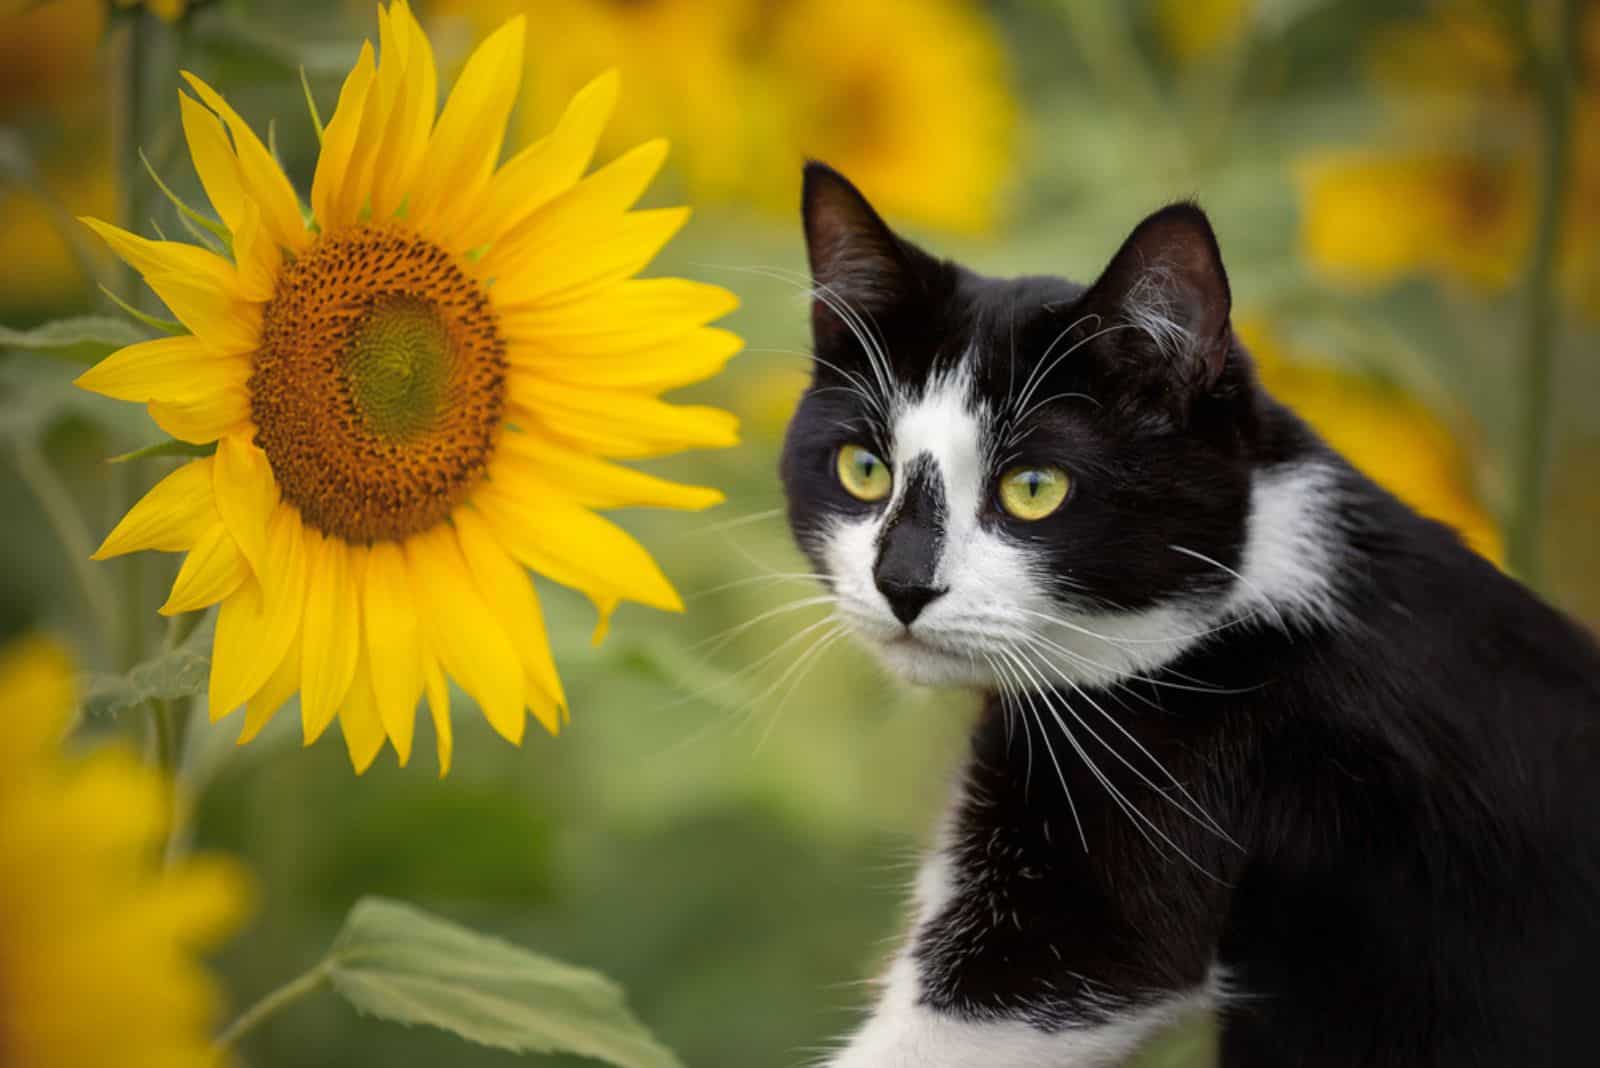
(378, 388)
(398, 364)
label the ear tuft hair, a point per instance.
(1167, 284)
(854, 255)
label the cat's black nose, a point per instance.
(906, 601)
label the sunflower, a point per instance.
(98, 949)
(414, 395)
(1396, 440)
(812, 78)
(1451, 190)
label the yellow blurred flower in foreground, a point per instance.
(1452, 192)
(908, 97)
(1394, 439)
(99, 950)
(415, 399)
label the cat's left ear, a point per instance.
(856, 259)
(1164, 297)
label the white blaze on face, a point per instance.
(945, 425)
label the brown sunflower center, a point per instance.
(378, 387)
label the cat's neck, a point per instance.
(1291, 573)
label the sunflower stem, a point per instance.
(272, 1004)
(1552, 57)
(136, 77)
(65, 519)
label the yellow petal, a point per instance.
(692, 358)
(331, 638)
(329, 197)
(605, 254)
(439, 708)
(254, 252)
(224, 414)
(394, 642)
(263, 179)
(177, 369)
(636, 314)
(596, 201)
(225, 323)
(279, 687)
(213, 569)
(504, 584)
(246, 495)
(546, 169)
(214, 160)
(619, 424)
(464, 633)
(172, 517)
(358, 719)
(200, 267)
(577, 548)
(466, 141)
(256, 624)
(408, 86)
(529, 466)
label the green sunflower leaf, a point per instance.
(399, 963)
(83, 339)
(170, 447)
(181, 671)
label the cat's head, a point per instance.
(1002, 479)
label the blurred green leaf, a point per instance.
(82, 339)
(181, 671)
(399, 963)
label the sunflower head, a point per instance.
(99, 950)
(417, 390)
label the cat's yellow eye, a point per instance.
(863, 474)
(1033, 492)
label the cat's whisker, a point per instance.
(1170, 639)
(1197, 812)
(754, 580)
(804, 664)
(735, 522)
(1040, 367)
(1141, 821)
(715, 643)
(857, 323)
(1246, 583)
(1009, 680)
(1192, 685)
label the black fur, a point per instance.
(1410, 794)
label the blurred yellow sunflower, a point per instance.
(810, 78)
(1396, 440)
(1452, 190)
(99, 950)
(166, 10)
(413, 397)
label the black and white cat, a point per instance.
(1255, 737)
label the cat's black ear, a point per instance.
(1165, 296)
(854, 255)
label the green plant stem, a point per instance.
(271, 1005)
(61, 511)
(132, 131)
(1554, 63)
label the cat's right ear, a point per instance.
(855, 258)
